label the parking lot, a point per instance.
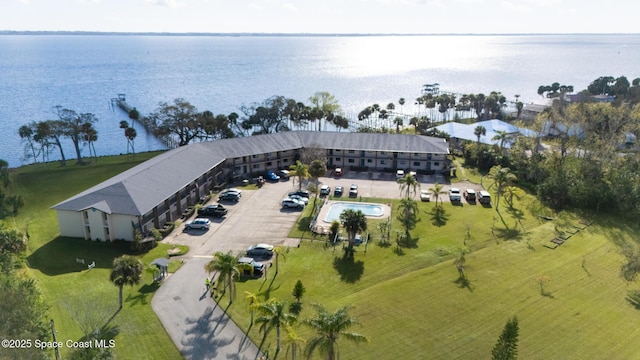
(259, 218)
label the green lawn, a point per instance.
(412, 305)
(69, 288)
(408, 299)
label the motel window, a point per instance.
(254, 156)
(255, 166)
(436, 163)
(337, 159)
(352, 151)
(416, 163)
(268, 163)
(416, 154)
(337, 150)
(383, 162)
(351, 161)
(381, 152)
(401, 162)
(369, 160)
(285, 160)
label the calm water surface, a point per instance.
(222, 73)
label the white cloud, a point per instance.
(167, 3)
(290, 7)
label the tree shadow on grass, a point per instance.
(64, 255)
(143, 293)
(408, 242)
(464, 283)
(633, 297)
(304, 223)
(438, 215)
(349, 269)
(509, 234)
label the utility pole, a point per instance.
(55, 340)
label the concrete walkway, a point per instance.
(195, 322)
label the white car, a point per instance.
(299, 198)
(198, 223)
(260, 250)
(325, 190)
(454, 195)
(399, 174)
(425, 195)
(292, 203)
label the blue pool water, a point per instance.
(336, 209)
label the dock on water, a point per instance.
(149, 125)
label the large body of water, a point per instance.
(219, 74)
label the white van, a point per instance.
(484, 197)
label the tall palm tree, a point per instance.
(301, 171)
(501, 177)
(354, 222)
(436, 190)
(273, 315)
(330, 327)
(127, 270)
(227, 267)
(401, 102)
(408, 214)
(479, 131)
(502, 136)
(254, 302)
(293, 341)
(409, 185)
(316, 169)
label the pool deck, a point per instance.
(322, 227)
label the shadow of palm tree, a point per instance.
(408, 242)
(438, 215)
(509, 234)
(204, 336)
(350, 270)
(464, 283)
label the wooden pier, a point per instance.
(148, 124)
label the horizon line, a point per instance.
(153, 33)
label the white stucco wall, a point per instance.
(70, 223)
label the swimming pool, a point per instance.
(368, 209)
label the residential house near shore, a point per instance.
(157, 191)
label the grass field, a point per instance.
(570, 301)
(71, 290)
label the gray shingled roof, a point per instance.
(137, 190)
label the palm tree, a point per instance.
(408, 214)
(227, 267)
(273, 315)
(293, 340)
(409, 184)
(127, 270)
(479, 131)
(279, 251)
(502, 136)
(316, 169)
(301, 171)
(501, 177)
(354, 222)
(254, 302)
(330, 327)
(436, 190)
(401, 102)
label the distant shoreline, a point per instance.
(38, 32)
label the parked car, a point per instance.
(399, 174)
(284, 174)
(338, 191)
(470, 195)
(337, 172)
(303, 193)
(271, 176)
(262, 250)
(325, 190)
(258, 267)
(198, 223)
(425, 195)
(229, 196)
(484, 197)
(299, 198)
(292, 203)
(353, 190)
(454, 195)
(232, 191)
(215, 210)
(357, 240)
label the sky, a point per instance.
(324, 16)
